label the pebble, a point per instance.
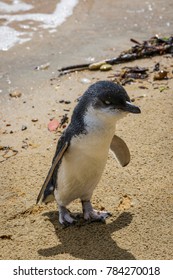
(34, 120)
(161, 75)
(65, 101)
(24, 127)
(85, 81)
(15, 94)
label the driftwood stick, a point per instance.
(135, 41)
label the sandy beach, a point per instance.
(140, 195)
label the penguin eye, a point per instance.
(107, 102)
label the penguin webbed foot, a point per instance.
(93, 215)
(65, 217)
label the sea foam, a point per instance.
(9, 36)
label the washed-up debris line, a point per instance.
(152, 47)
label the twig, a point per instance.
(135, 41)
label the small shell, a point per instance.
(106, 67)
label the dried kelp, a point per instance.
(129, 74)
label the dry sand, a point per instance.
(140, 196)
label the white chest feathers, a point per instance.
(81, 167)
(84, 161)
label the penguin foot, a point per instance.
(92, 214)
(64, 216)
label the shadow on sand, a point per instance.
(91, 242)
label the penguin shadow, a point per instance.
(89, 241)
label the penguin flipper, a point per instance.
(46, 184)
(120, 150)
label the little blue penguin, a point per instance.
(83, 148)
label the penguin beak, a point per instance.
(131, 108)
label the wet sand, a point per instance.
(140, 196)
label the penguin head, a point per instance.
(111, 99)
(103, 103)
